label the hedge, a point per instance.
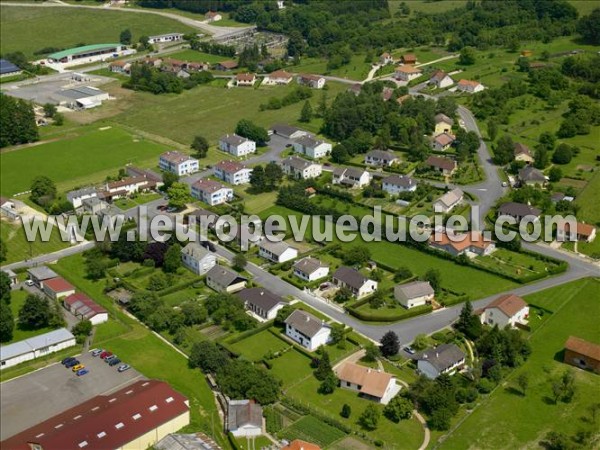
(307, 410)
(375, 317)
(248, 333)
(301, 349)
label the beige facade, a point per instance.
(152, 437)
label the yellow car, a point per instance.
(77, 367)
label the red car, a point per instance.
(105, 354)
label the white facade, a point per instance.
(299, 171)
(243, 148)
(315, 275)
(444, 82)
(276, 252)
(310, 343)
(313, 81)
(431, 372)
(178, 163)
(241, 176)
(99, 318)
(316, 150)
(359, 181)
(216, 197)
(470, 87)
(77, 197)
(396, 188)
(34, 347)
(411, 302)
(494, 316)
(407, 73)
(197, 259)
(161, 39)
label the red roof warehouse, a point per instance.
(58, 287)
(136, 416)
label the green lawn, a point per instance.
(19, 249)
(513, 264)
(524, 420)
(291, 367)
(357, 69)
(84, 27)
(196, 56)
(588, 200)
(78, 161)
(257, 346)
(211, 111)
(311, 429)
(17, 299)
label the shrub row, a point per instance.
(306, 410)
(380, 317)
(248, 333)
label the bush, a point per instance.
(485, 386)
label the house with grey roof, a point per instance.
(94, 205)
(287, 131)
(396, 184)
(224, 279)
(530, 176)
(445, 358)
(197, 258)
(417, 293)
(300, 168)
(237, 145)
(77, 196)
(307, 330)
(381, 158)
(352, 279)
(277, 252)
(448, 201)
(34, 347)
(244, 418)
(443, 124)
(518, 211)
(12, 276)
(351, 177)
(312, 147)
(40, 274)
(310, 269)
(262, 302)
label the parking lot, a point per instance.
(33, 398)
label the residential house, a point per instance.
(448, 201)
(233, 172)
(197, 258)
(472, 243)
(443, 124)
(58, 287)
(356, 88)
(441, 79)
(385, 59)
(197, 66)
(313, 81)
(387, 93)
(237, 145)
(583, 354)
(223, 279)
(522, 153)
(445, 358)
(307, 330)
(165, 38)
(211, 192)
(10, 208)
(469, 86)
(351, 176)
(370, 383)
(277, 252)
(149, 61)
(407, 73)
(123, 67)
(530, 176)
(580, 232)
(40, 274)
(381, 158)
(84, 308)
(409, 58)
(212, 16)
(94, 205)
(396, 184)
(301, 169)
(203, 217)
(178, 163)
(226, 65)
(287, 131)
(261, 302)
(507, 309)
(445, 166)
(442, 142)
(518, 211)
(125, 187)
(12, 276)
(298, 444)
(312, 147)
(350, 278)
(76, 197)
(310, 269)
(277, 77)
(416, 293)
(149, 175)
(561, 197)
(245, 79)
(244, 418)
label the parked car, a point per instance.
(77, 367)
(82, 372)
(105, 354)
(72, 363)
(68, 359)
(123, 367)
(29, 282)
(114, 362)
(409, 350)
(97, 352)
(109, 358)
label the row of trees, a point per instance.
(18, 122)
(151, 79)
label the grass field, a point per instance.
(589, 200)
(77, 161)
(19, 249)
(526, 419)
(311, 429)
(255, 347)
(357, 69)
(84, 27)
(195, 56)
(17, 299)
(210, 111)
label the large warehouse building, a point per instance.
(135, 417)
(34, 347)
(86, 54)
(81, 97)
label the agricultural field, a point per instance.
(526, 419)
(196, 56)
(19, 249)
(357, 69)
(85, 27)
(311, 429)
(212, 111)
(78, 161)
(588, 201)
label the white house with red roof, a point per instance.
(233, 172)
(507, 309)
(407, 73)
(277, 77)
(178, 163)
(469, 86)
(370, 383)
(245, 79)
(211, 192)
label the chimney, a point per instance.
(437, 355)
(307, 318)
(262, 293)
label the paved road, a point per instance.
(49, 257)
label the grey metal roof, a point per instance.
(195, 250)
(350, 276)
(80, 193)
(400, 180)
(260, 297)
(308, 265)
(243, 412)
(233, 139)
(416, 289)
(305, 322)
(223, 276)
(178, 441)
(7, 67)
(442, 357)
(42, 273)
(35, 343)
(285, 130)
(81, 92)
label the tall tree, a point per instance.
(200, 145)
(589, 27)
(35, 312)
(208, 357)
(369, 419)
(248, 129)
(7, 322)
(18, 121)
(172, 259)
(273, 175)
(179, 195)
(258, 180)
(43, 190)
(306, 113)
(390, 344)
(4, 287)
(125, 37)
(168, 179)
(323, 369)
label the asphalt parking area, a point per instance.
(35, 397)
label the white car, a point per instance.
(29, 282)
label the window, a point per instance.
(153, 408)
(101, 435)
(83, 444)
(137, 416)
(59, 426)
(169, 399)
(119, 425)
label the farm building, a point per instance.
(34, 347)
(582, 354)
(8, 69)
(164, 38)
(82, 97)
(244, 418)
(83, 307)
(58, 287)
(86, 54)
